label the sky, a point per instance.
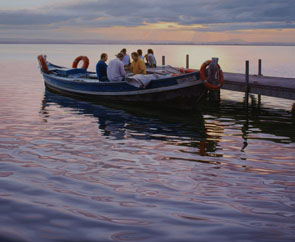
(149, 21)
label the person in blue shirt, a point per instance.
(101, 68)
(139, 52)
(126, 58)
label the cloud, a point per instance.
(214, 15)
(17, 18)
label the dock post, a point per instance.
(187, 61)
(259, 67)
(214, 96)
(247, 84)
(259, 74)
(163, 60)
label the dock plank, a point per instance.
(264, 85)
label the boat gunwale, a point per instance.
(122, 93)
(82, 79)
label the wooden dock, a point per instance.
(262, 85)
(280, 87)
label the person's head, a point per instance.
(139, 52)
(124, 51)
(134, 56)
(120, 56)
(150, 51)
(104, 57)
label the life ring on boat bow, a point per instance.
(85, 62)
(42, 63)
(204, 77)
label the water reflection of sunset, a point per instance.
(119, 173)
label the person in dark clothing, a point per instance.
(101, 68)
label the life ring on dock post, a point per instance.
(42, 63)
(78, 59)
(204, 76)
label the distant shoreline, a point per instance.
(44, 42)
(197, 44)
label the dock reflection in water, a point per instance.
(89, 172)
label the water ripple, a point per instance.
(72, 170)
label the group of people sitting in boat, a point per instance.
(116, 70)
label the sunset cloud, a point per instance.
(171, 15)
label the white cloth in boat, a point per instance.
(162, 70)
(141, 81)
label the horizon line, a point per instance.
(138, 43)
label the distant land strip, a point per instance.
(106, 42)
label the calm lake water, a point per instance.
(72, 170)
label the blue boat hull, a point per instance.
(183, 91)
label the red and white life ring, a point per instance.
(85, 62)
(204, 77)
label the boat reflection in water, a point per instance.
(121, 122)
(201, 130)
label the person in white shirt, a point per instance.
(126, 58)
(115, 71)
(151, 60)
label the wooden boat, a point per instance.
(163, 86)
